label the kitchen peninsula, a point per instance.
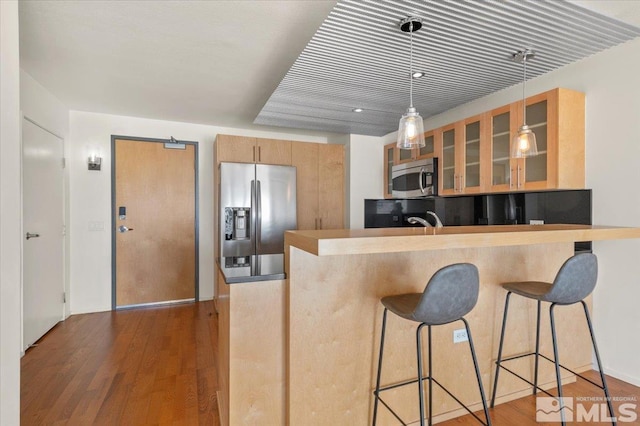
(323, 322)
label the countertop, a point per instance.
(391, 240)
(244, 269)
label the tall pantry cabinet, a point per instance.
(320, 182)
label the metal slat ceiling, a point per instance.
(360, 58)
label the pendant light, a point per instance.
(411, 128)
(524, 142)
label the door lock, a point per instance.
(123, 229)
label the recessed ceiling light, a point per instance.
(357, 110)
(417, 74)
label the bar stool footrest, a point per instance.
(511, 358)
(411, 381)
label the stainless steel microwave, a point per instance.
(415, 179)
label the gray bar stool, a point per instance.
(451, 293)
(573, 283)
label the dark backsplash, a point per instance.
(572, 207)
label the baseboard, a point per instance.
(622, 376)
(89, 311)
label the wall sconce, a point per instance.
(94, 162)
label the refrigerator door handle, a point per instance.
(258, 215)
(252, 214)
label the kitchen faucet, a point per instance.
(435, 216)
(413, 220)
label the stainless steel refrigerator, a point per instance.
(257, 205)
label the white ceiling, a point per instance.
(210, 62)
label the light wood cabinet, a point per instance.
(320, 183)
(242, 149)
(449, 145)
(474, 153)
(407, 155)
(558, 119)
(501, 121)
(460, 150)
(390, 159)
(304, 156)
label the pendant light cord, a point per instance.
(411, 64)
(524, 83)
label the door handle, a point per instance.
(123, 229)
(258, 214)
(30, 235)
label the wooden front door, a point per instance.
(154, 222)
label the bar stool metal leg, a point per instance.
(478, 376)
(420, 388)
(430, 378)
(595, 349)
(537, 356)
(499, 360)
(557, 363)
(375, 404)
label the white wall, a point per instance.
(366, 176)
(10, 216)
(612, 89)
(41, 107)
(91, 196)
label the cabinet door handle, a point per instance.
(254, 154)
(461, 184)
(259, 155)
(511, 178)
(518, 175)
(320, 223)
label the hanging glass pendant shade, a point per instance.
(411, 128)
(524, 142)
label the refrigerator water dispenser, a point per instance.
(236, 223)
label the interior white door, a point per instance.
(43, 225)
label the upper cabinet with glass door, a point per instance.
(390, 158)
(460, 148)
(472, 173)
(501, 123)
(407, 155)
(474, 154)
(557, 119)
(448, 164)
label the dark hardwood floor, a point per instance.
(157, 366)
(133, 367)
